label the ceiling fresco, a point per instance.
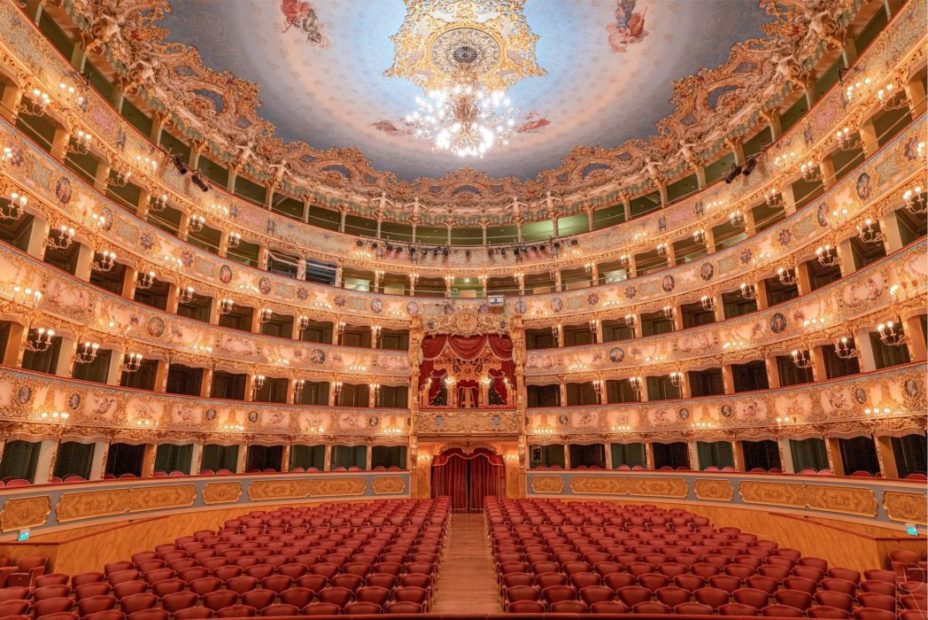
(321, 68)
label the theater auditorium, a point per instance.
(463, 309)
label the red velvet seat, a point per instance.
(220, 599)
(737, 609)
(44, 592)
(516, 607)
(673, 595)
(137, 602)
(236, 611)
(13, 593)
(149, 614)
(632, 595)
(337, 596)
(651, 607)
(108, 614)
(873, 613)
(193, 613)
(175, 601)
(93, 604)
(782, 611)
(609, 607)
(826, 611)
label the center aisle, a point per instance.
(468, 577)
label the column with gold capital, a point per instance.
(416, 332)
(520, 391)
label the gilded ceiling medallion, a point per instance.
(490, 37)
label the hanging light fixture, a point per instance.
(916, 200)
(86, 353)
(847, 140)
(636, 384)
(810, 171)
(145, 280)
(234, 240)
(891, 98)
(826, 256)
(266, 315)
(39, 340)
(63, 240)
(676, 378)
(119, 176)
(736, 218)
(132, 362)
(889, 335)
(868, 233)
(699, 236)
(668, 311)
(157, 204)
(661, 249)
(630, 320)
(37, 102)
(707, 303)
(186, 295)
(748, 291)
(16, 207)
(845, 349)
(80, 142)
(105, 262)
(298, 386)
(196, 223)
(787, 276)
(226, 305)
(801, 359)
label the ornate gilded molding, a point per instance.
(94, 504)
(222, 492)
(716, 490)
(25, 512)
(906, 507)
(830, 498)
(388, 485)
(547, 485)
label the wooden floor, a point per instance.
(467, 583)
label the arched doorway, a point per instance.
(468, 478)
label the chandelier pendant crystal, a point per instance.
(464, 118)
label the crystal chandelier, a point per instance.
(464, 118)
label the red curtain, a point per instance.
(468, 479)
(468, 347)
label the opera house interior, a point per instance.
(389, 307)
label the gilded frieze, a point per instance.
(335, 487)
(23, 512)
(222, 492)
(263, 490)
(830, 498)
(388, 485)
(657, 487)
(906, 507)
(716, 490)
(92, 504)
(159, 497)
(547, 485)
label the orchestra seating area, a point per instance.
(327, 559)
(608, 558)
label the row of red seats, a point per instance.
(334, 558)
(572, 557)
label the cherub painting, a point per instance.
(628, 27)
(302, 15)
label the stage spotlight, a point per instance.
(467, 254)
(733, 173)
(180, 165)
(445, 251)
(749, 165)
(197, 180)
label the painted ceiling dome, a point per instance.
(343, 74)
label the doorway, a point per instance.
(468, 478)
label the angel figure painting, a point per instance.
(302, 15)
(628, 27)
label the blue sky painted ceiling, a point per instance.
(323, 81)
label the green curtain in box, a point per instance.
(307, 456)
(630, 454)
(809, 454)
(19, 460)
(172, 457)
(716, 453)
(388, 456)
(349, 456)
(218, 457)
(546, 456)
(74, 459)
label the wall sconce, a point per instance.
(226, 305)
(39, 340)
(699, 236)
(54, 417)
(70, 94)
(598, 388)
(594, 325)
(786, 419)
(219, 210)
(234, 240)
(827, 256)
(787, 276)
(86, 353)
(27, 296)
(813, 323)
(588, 267)
(80, 142)
(15, 209)
(636, 385)
(748, 291)
(810, 171)
(145, 280)
(554, 332)
(773, 198)
(340, 329)
(868, 233)
(916, 200)
(668, 312)
(375, 390)
(196, 223)
(96, 220)
(844, 349)
(233, 428)
(847, 140)
(105, 263)
(258, 382)
(676, 378)
(707, 303)
(266, 315)
(132, 362)
(661, 249)
(851, 91)
(64, 239)
(889, 336)
(158, 204)
(891, 98)
(630, 320)
(337, 389)
(623, 261)
(298, 386)
(736, 219)
(303, 323)
(119, 177)
(801, 359)
(148, 164)
(703, 424)
(186, 295)
(6, 156)
(37, 103)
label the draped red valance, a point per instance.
(443, 458)
(468, 478)
(466, 347)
